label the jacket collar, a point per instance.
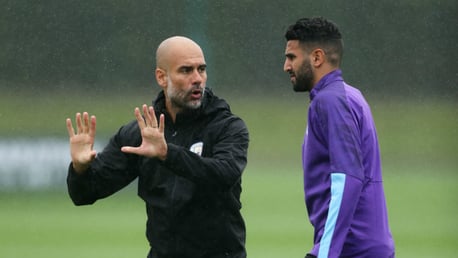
(335, 75)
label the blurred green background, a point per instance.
(60, 57)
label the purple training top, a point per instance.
(342, 174)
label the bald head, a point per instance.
(181, 73)
(176, 48)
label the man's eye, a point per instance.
(186, 70)
(202, 69)
(290, 56)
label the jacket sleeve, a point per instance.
(340, 123)
(109, 172)
(223, 167)
(345, 192)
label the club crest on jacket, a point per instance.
(197, 148)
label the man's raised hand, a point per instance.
(82, 142)
(153, 140)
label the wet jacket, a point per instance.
(343, 182)
(193, 197)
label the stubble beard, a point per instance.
(180, 100)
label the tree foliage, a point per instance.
(397, 45)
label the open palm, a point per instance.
(82, 142)
(153, 141)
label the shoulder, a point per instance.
(228, 123)
(219, 108)
(330, 98)
(221, 120)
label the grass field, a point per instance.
(45, 224)
(419, 142)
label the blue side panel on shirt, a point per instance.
(337, 189)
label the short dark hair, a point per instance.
(318, 32)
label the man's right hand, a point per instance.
(82, 143)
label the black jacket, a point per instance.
(193, 197)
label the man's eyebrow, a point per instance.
(290, 55)
(190, 66)
(185, 67)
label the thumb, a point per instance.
(93, 154)
(128, 149)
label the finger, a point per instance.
(128, 149)
(79, 125)
(93, 155)
(85, 122)
(153, 117)
(140, 120)
(70, 130)
(147, 115)
(161, 123)
(92, 127)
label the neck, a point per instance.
(320, 73)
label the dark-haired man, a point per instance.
(340, 154)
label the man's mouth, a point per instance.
(196, 94)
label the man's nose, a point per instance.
(287, 66)
(197, 77)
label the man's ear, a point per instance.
(161, 77)
(318, 57)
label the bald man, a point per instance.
(188, 152)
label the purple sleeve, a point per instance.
(344, 191)
(340, 126)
